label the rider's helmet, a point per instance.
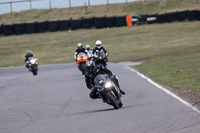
(90, 65)
(98, 43)
(29, 52)
(87, 46)
(79, 45)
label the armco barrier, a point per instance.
(7, 30)
(191, 15)
(120, 21)
(161, 18)
(76, 24)
(30, 28)
(41, 27)
(99, 22)
(53, 26)
(151, 19)
(88, 23)
(110, 21)
(64, 25)
(171, 17)
(19, 29)
(182, 15)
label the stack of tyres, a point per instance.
(7, 30)
(134, 20)
(171, 17)
(151, 19)
(88, 23)
(41, 27)
(0, 29)
(198, 14)
(191, 15)
(64, 25)
(120, 21)
(19, 29)
(52, 26)
(110, 21)
(99, 22)
(30, 28)
(142, 20)
(76, 24)
(182, 15)
(161, 18)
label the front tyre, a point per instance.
(112, 100)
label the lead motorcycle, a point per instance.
(33, 65)
(82, 59)
(108, 91)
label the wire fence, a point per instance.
(54, 4)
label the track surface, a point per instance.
(57, 101)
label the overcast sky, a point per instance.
(44, 4)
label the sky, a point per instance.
(44, 4)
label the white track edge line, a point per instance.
(164, 89)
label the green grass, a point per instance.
(133, 8)
(172, 49)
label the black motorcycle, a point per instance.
(100, 59)
(108, 91)
(33, 65)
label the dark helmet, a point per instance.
(90, 65)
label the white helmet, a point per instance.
(98, 43)
(79, 45)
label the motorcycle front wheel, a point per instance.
(112, 100)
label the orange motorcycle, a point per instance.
(82, 59)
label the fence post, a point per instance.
(11, 7)
(107, 2)
(50, 4)
(30, 4)
(85, 7)
(69, 3)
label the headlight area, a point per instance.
(108, 84)
(33, 61)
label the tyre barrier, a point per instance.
(87, 23)
(171, 17)
(110, 21)
(19, 29)
(120, 21)
(151, 19)
(53, 26)
(64, 25)
(76, 24)
(7, 30)
(99, 22)
(191, 15)
(182, 15)
(30, 28)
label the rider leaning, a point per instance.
(28, 54)
(79, 49)
(91, 72)
(99, 48)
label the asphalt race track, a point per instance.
(57, 101)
